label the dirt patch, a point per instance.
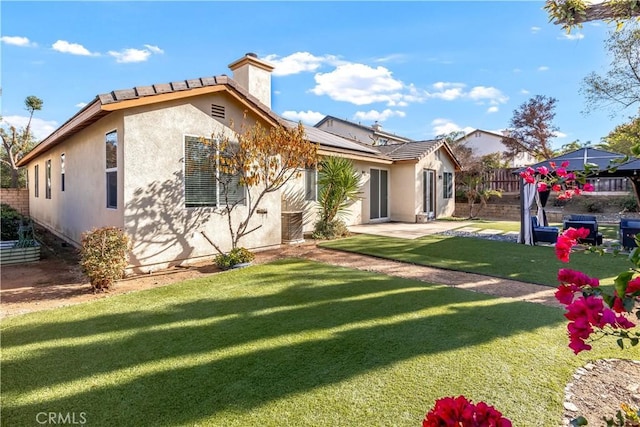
(596, 390)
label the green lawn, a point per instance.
(534, 264)
(292, 343)
(608, 231)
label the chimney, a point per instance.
(377, 127)
(254, 75)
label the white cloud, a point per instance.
(447, 91)
(445, 126)
(559, 134)
(535, 29)
(131, 55)
(64, 46)
(299, 62)
(154, 49)
(492, 109)
(394, 57)
(17, 41)
(308, 117)
(380, 116)
(495, 96)
(81, 104)
(360, 84)
(524, 92)
(517, 70)
(40, 128)
(573, 36)
(543, 68)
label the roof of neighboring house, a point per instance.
(417, 150)
(488, 132)
(106, 103)
(327, 139)
(365, 128)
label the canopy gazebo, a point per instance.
(605, 164)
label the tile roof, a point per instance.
(324, 138)
(410, 150)
(366, 128)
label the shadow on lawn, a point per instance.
(315, 325)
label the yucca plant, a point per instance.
(339, 187)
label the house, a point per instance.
(372, 135)
(485, 142)
(126, 160)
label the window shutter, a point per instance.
(199, 173)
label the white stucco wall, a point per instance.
(162, 228)
(82, 206)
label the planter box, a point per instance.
(12, 255)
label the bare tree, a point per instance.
(18, 142)
(532, 128)
(619, 87)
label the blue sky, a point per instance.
(420, 68)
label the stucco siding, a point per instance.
(404, 192)
(82, 206)
(163, 230)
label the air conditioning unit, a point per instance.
(292, 227)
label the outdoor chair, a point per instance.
(543, 234)
(585, 221)
(629, 227)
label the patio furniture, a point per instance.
(585, 221)
(629, 227)
(543, 234)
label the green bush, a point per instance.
(10, 222)
(594, 205)
(628, 204)
(104, 256)
(330, 230)
(234, 257)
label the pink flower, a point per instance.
(542, 170)
(567, 240)
(542, 186)
(556, 187)
(561, 172)
(564, 164)
(552, 164)
(588, 187)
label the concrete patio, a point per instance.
(406, 230)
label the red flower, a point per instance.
(542, 170)
(633, 286)
(460, 412)
(542, 186)
(556, 187)
(567, 240)
(564, 164)
(588, 187)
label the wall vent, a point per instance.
(217, 111)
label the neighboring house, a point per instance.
(372, 135)
(485, 142)
(128, 158)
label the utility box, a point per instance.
(292, 227)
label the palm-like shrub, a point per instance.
(104, 256)
(339, 187)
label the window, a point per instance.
(47, 175)
(62, 171)
(310, 184)
(204, 185)
(111, 146)
(447, 185)
(36, 181)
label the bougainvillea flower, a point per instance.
(564, 164)
(556, 187)
(567, 240)
(542, 186)
(633, 286)
(542, 170)
(588, 187)
(577, 278)
(552, 164)
(460, 412)
(561, 172)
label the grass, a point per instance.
(293, 343)
(609, 231)
(533, 264)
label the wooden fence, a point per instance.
(509, 182)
